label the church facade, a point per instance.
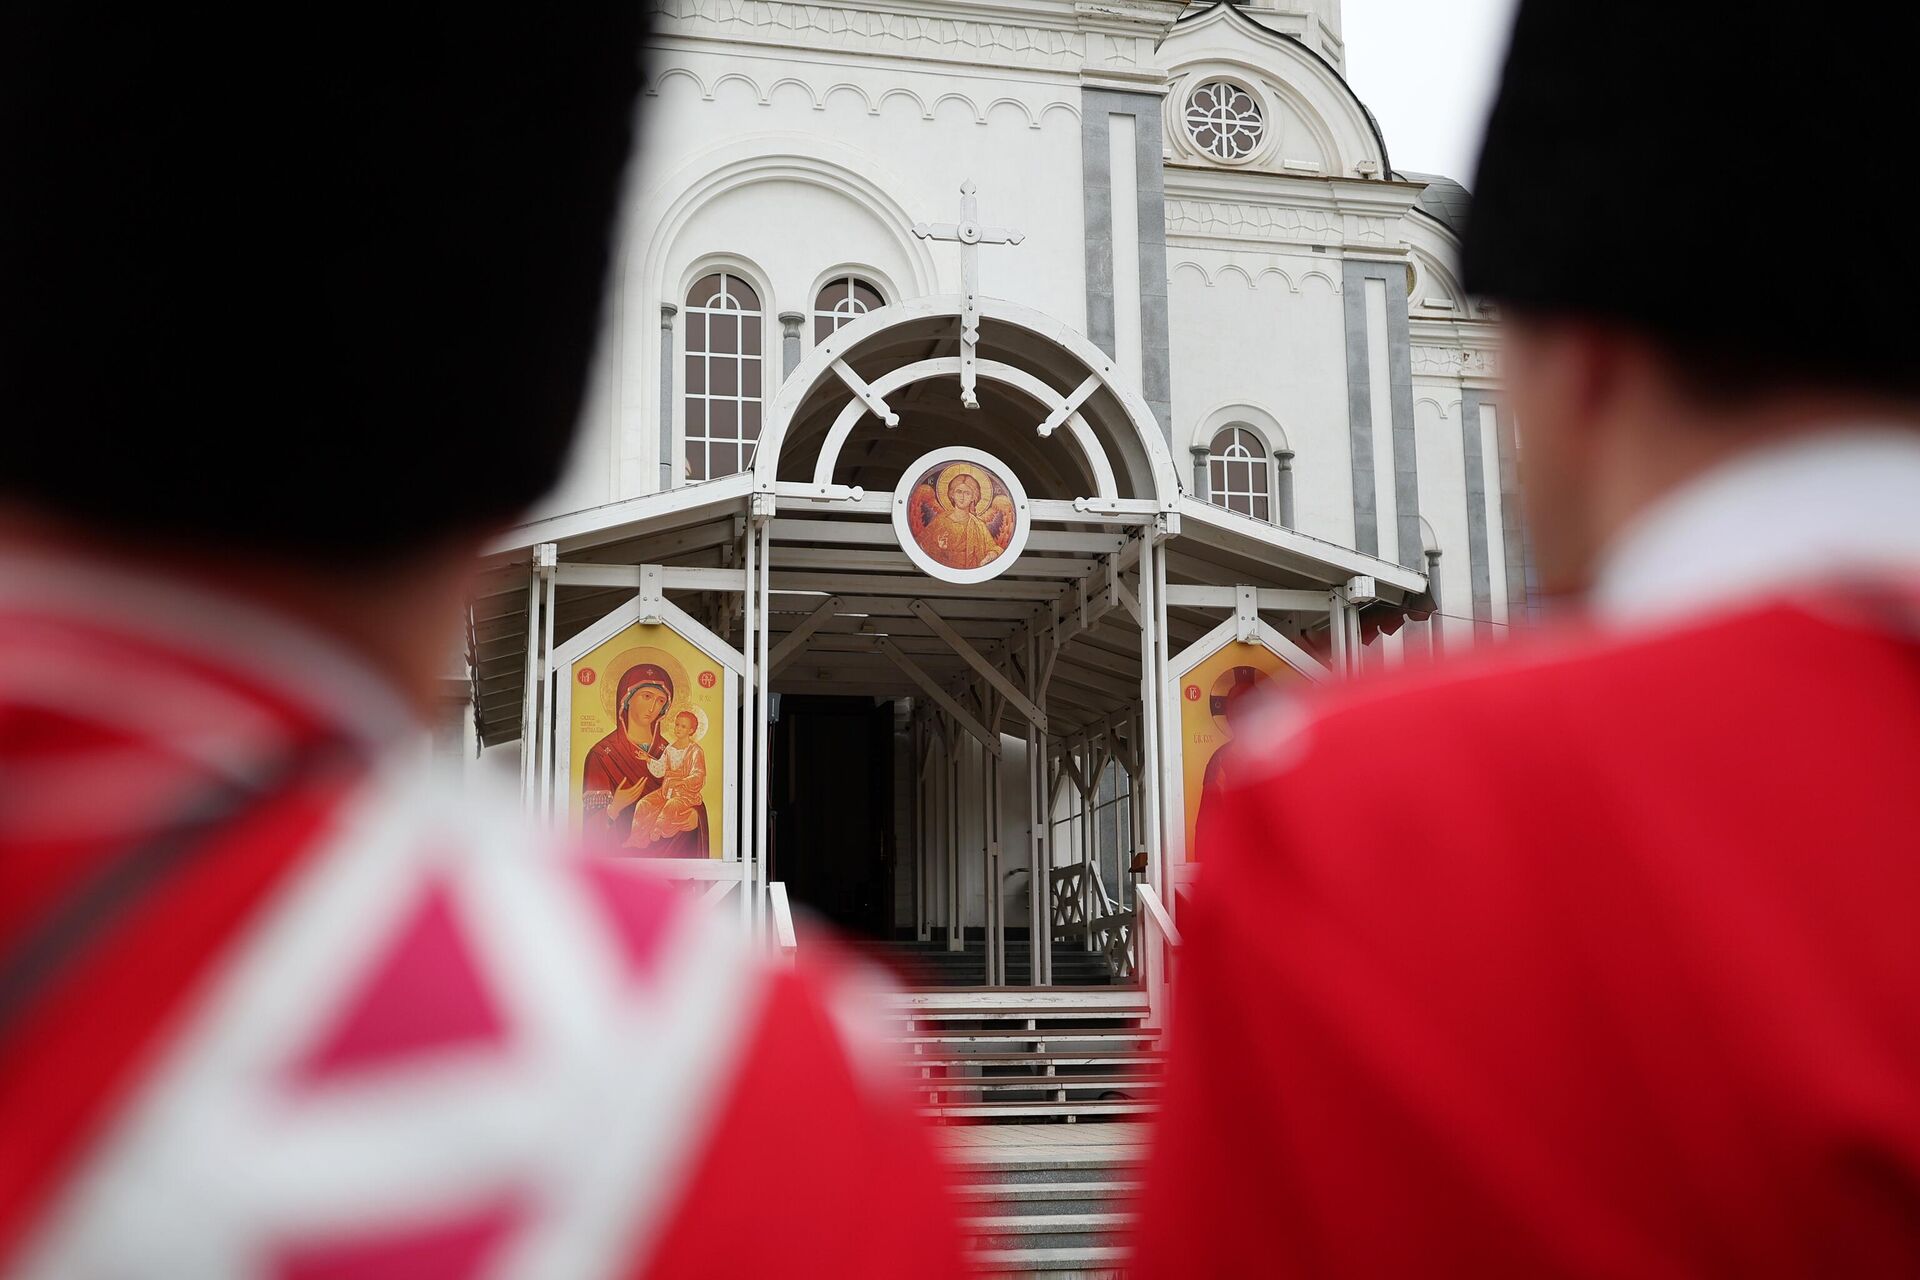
(1048, 373)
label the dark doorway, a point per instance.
(832, 795)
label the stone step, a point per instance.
(1045, 1057)
(1099, 1261)
(895, 1017)
(1033, 1084)
(1050, 1035)
(1027, 1224)
(1046, 1231)
(1046, 1108)
(1077, 1188)
(1099, 994)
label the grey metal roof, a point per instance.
(1445, 200)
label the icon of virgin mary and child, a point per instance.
(643, 784)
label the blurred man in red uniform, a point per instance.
(1600, 956)
(290, 319)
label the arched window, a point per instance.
(723, 375)
(840, 301)
(1239, 473)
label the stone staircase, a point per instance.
(1040, 1095)
(1047, 1200)
(1028, 1054)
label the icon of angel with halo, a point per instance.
(958, 518)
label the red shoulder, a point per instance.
(863, 1195)
(1512, 744)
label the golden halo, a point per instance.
(980, 476)
(699, 715)
(625, 661)
(1223, 684)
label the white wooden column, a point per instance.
(754, 728)
(759, 586)
(956, 926)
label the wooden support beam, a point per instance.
(958, 643)
(789, 556)
(911, 584)
(894, 606)
(879, 533)
(1280, 600)
(790, 646)
(939, 695)
(868, 396)
(1073, 771)
(1070, 406)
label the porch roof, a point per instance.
(847, 551)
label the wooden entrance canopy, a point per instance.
(797, 566)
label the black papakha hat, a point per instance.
(1718, 174)
(315, 286)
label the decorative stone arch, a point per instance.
(744, 162)
(882, 283)
(733, 264)
(1431, 278)
(644, 405)
(1270, 91)
(889, 287)
(1052, 401)
(1308, 83)
(1263, 423)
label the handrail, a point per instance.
(1100, 887)
(782, 919)
(1158, 910)
(1154, 975)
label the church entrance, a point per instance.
(898, 669)
(832, 802)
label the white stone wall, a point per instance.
(790, 143)
(1265, 332)
(790, 164)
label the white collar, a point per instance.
(1812, 509)
(301, 663)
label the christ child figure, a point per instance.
(682, 770)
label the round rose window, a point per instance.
(1224, 120)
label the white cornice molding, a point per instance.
(1455, 348)
(1361, 217)
(1116, 37)
(1207, 182)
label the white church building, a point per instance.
(990, 396)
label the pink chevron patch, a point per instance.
(638, 908)
(424, 995)
(456, 1247)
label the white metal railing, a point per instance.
(783, 934)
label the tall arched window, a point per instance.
(1239, 473)
(840, 302)
(723, 375)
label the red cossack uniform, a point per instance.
(1600, 957)
(273, 1004)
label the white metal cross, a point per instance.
(970, 235)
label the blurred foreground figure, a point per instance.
(1602, 957)
(287, 325)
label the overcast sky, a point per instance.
(1427, 68)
